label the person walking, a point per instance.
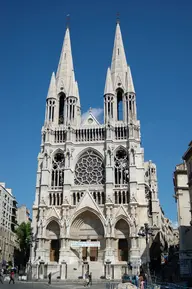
(12, 277)
(86, 279)
(1, 277)
(49, 278)
(90, 278)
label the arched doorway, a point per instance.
(122, 235)
(53, 234)
(87, 227)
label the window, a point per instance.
(119, 104)
(121, 167)
(89, 169)
(61, 107)
(57, 178)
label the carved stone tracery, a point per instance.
(89, 169)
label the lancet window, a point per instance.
(71, 108)
(119, 104)
(121, 167)
(89, 169)
(61, 107)
(57, 174)
(51, 110)
(109, 107)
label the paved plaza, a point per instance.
(42, 285)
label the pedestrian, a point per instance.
(12, 277)
(1, 277)
(49, 278)
(86, 279)
(90, 278)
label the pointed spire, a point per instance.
(119, 62)
(108, 83)
(72, 87)
(65, 67)
(52, 93)
(129, 80)
(77, 94)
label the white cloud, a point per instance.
(97, 112)
(174, 224)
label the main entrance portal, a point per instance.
(87, 227)
(122, 235)
(53, 236)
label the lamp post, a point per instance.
(146, 231)
(31, 240)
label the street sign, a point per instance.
(77, 244)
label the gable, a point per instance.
(90, 120)
(88, 202)
(53, 213)
(122, 212)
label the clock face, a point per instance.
(90, 120)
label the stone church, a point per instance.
(93, 191)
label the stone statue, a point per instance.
(132, 157)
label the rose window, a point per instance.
(89, 169)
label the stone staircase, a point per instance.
(97, 270)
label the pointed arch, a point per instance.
(57, 171)
(119, 95)
(89, 168)
(52, 218)
(127, 219)
(58, 150)
(61, 97)
(122, 228)
(86, 149)
(93, 221)
(121, 165)
(120, 147)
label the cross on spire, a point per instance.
(118, 18)
(67, 20)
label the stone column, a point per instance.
(41, 269)
(63, 270)
(108, 269)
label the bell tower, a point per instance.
(119, 93)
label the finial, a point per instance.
(118, 18)
(67, 20)
(90, 110)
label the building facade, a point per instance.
(94, 191)
(182, 198)
(23, 215)
(187, 157)
(8, 210)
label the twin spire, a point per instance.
(65, 77)
(120, 73)
(118, 76)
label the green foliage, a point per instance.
(23, 233)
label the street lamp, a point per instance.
(146, 231)
(31, 240)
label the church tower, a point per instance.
(92, 191)
(119, 94)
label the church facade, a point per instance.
(93, 191)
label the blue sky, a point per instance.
(158, 44)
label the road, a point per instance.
(43, 285)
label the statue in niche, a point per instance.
(132, 157)
(109, 155)
(41, 228)
(108, 225)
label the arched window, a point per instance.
(50, 110)
(61, 107)
(121, 167)
(89, 169)
(57, 177)
(119, 104)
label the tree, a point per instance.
(23, 233)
